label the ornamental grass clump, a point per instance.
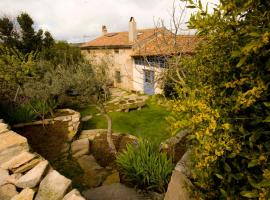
(143, 166)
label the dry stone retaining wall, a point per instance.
(26, 175)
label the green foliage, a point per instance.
(224, 98)
(25, 39)
(19, 114)
(144, 166)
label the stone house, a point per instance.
(138, 56)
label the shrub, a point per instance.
(224, 97)
(145, 167)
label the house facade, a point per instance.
(137, 57)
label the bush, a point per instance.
(224, 97)
(145, 167)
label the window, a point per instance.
(151, 61)
(116, 51)
(118, 76)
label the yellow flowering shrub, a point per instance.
(224, 98)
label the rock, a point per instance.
(27, 166)
(3, 127)
(156, 196)
(86, 118)
(25, 194)
(100, 148)
(4, 175)
(91, 134)
(53, 187)
(18, 160)
(73, 195)
(184, 165)
(126, 139)
(113, 178)
(178, 187)
(115, 191)
(175, 146)
(80, 147)
(32, 177)
(94, 174)
(7, 191)
(14, 178)
(11, 144)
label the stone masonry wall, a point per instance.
(25, 175)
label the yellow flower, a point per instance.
(226, 126)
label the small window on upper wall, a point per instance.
(118, 76)
(116, 51)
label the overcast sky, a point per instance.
(81, 20)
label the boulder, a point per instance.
(53, 187)
(25, 194)
(175, 146)
(178, 187)
(115, 191)
(18, 160)
(32, 177)
(112, 178)
(100, 148)
(126, 139)
(11, 144)
(7, 191)
(80, 147)
(184, 165)
(93, 174)
(3, 176)
(73, 195)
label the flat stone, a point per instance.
(53, 187)
(93, 174)
(177, 189)
(13, 178)
(11, 144)
(185, 165)
(18, 160)
(27, 166)
(3, 176)
(7, 191)
(25, 194)
(86, 118)
(80, 147)
(113, 178)
(91, 134)
(115, 191)
(73, 195)
(32, 177)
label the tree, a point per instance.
(25, 38)
(223, 96)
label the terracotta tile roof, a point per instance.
(120, 38)
(166, 45)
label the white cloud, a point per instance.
(73, 20)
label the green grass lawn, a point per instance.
(149, 122)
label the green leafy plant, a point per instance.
(224, 97)
(142, 165)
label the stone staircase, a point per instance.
(25, 175)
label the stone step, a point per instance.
(53, 187)
(33, 177)
(18, 160)
(11, 144)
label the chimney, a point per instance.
(104, 30)
(132, 33)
